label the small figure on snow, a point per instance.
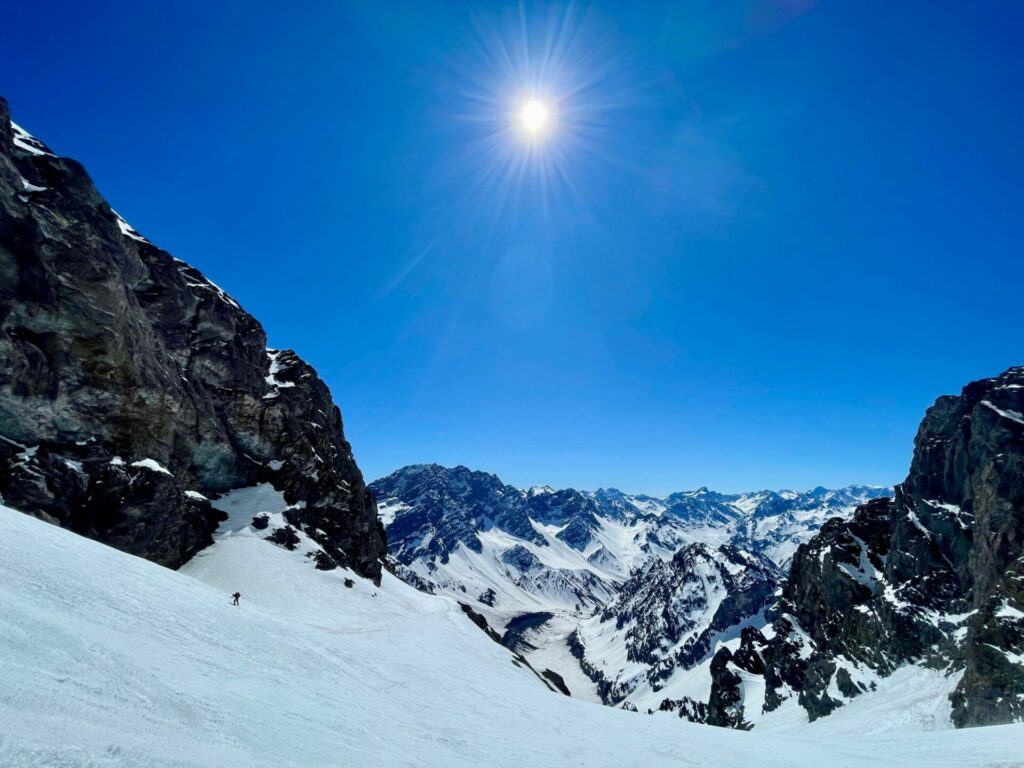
(234, 598)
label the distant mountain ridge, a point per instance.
(429, 509)
(621, 590)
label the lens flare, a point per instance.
(535, 100)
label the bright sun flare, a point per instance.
(536, 99)
(534, 117)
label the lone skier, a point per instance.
(234, 598)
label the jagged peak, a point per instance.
(205, 401)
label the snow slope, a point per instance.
(110, 660)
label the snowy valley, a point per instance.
(626, 597)
(157, 457)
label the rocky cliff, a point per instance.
(132, 388)
(933, 577)
(670, 615)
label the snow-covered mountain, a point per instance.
(133, 389)
(932, 579)
(668, 617)
(111, 660)
(618, 593)
(141, 409)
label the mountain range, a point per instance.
(620, 594)
(734, 609)
(156, 456)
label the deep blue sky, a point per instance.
(787, 229)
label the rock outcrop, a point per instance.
(132, 388)
(932, 577)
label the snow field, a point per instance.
(109, 660)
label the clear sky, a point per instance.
(756, 243)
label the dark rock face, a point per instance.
(700, 592)
(520, 558)
(285, 536)
(556, 680)
(579, 513)
(933, 576)
(450, 506)
(131, 386)
(725, 704)
(518, 627)
(687, 708)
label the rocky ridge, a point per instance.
(669, 615)
(132, 387)
(933, 577)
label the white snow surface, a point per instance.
(26, 141)
(152, 465)
(27, 186)
(110, 660)
(1016, 416)
(128, 230)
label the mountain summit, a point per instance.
(132, 387)
(930, 580)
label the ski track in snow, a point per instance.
(110, 660)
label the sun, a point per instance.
(534, 118)
(536, 100)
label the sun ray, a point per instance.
(537, 98)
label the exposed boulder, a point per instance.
(556, 680)
(285, 536)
